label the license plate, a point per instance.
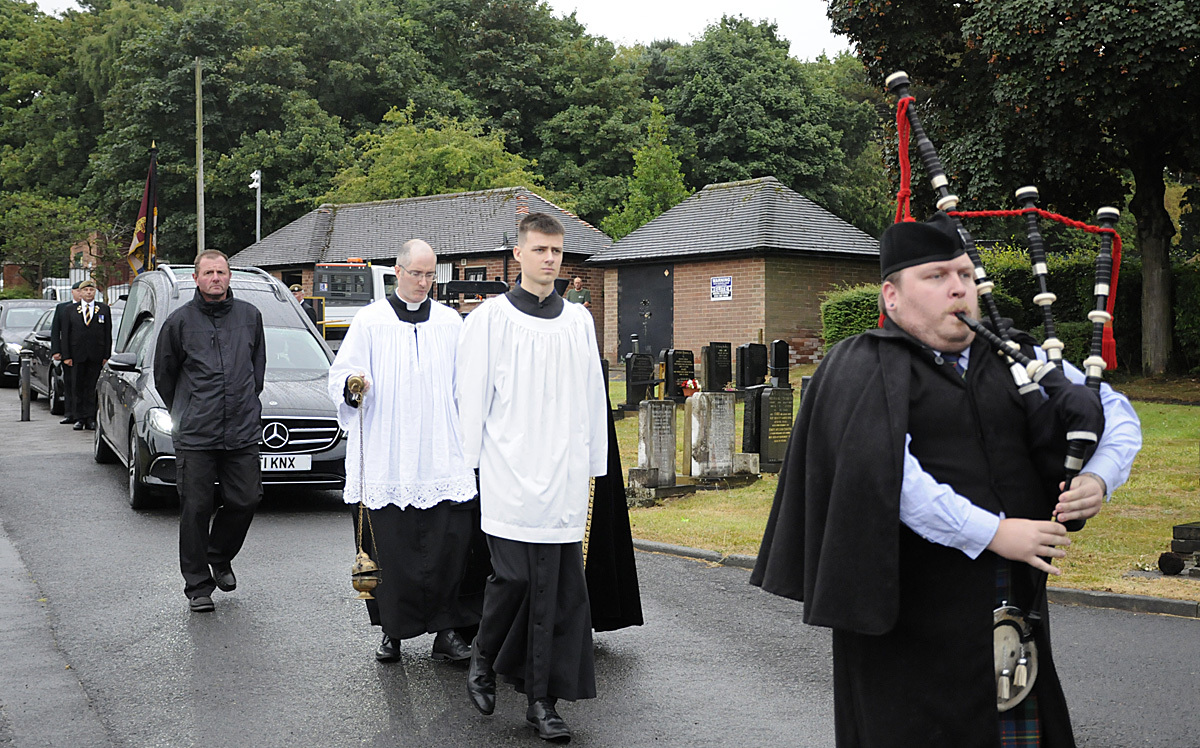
(280, 463)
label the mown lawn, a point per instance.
(1127, 536)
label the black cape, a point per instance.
(610, 569)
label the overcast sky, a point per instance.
(802, 22)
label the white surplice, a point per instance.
(533, 410)
(413, 455)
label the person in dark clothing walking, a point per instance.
(60, 313)
(85, 345)
(209, 367)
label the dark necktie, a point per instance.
(955, 360)
(87, 314)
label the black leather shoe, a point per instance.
(223, 576)
(448, 645)
(67, 420)
(78, 426)
(481, 682)
(545, 720)
(202, 604)
(389, 650)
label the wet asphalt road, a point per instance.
(100, 649)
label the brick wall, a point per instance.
(610, 347)
(699, 320)
(794, 290)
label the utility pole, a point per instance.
(256, 185)
(199, 162)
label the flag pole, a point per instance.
(152, 218)
(199, 162)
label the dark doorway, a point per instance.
(646, 307)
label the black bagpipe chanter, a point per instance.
(1065, 419)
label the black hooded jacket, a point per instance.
(209, 366)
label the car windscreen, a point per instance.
(22, 317)
(289, 349)
(276, 312)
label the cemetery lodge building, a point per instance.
(737, 262)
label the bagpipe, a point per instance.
(1065, 419)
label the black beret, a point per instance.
(75, 285)
(911, 243)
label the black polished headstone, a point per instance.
(681, 366)
(775, 424)
(752, 420)
(718, 366)
(639, 378)
(751, 365)
(780, 363)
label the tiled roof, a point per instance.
(751, 215)
(461, 223)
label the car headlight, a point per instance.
(13, 349)
(160, 420)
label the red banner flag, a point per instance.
(142, 249)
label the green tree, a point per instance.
(265, 66)
(48, 117)
(657, 184)
(406, 158)
(1073, 97)
(754, 111)
(37, 231)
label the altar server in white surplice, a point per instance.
(408, 466)
(534, 414)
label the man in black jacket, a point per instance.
(60, 313)
(209, 367)
(86, 343)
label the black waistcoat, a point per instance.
(971, 433)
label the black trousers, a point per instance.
(536, 628)
(83, 385)
(196, 475)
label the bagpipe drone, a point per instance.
(1065, 423)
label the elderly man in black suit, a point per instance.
(60, 313)
(85, 346)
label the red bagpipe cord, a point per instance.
(1109, 345)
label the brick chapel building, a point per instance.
(737, 262)
(473, 234)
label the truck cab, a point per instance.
(346, 287)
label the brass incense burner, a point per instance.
(364, 575)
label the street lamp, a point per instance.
(256, 185)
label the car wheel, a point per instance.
(101, 452)
(58, 403)
(141, 496)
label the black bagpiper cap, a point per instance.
(910, 243)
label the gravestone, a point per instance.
(656, 441)
(751, 421)
(751, 365)
(710, 434)
(639, 378)
(717, 360)
(775, 427)
(780, 363)
(804, 385)
(681, 366)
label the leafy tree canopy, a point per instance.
(407, 158)
(657, 184)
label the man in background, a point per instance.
(209, 367)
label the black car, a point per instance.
(302, 444)
(45, 374)
(17, 318)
